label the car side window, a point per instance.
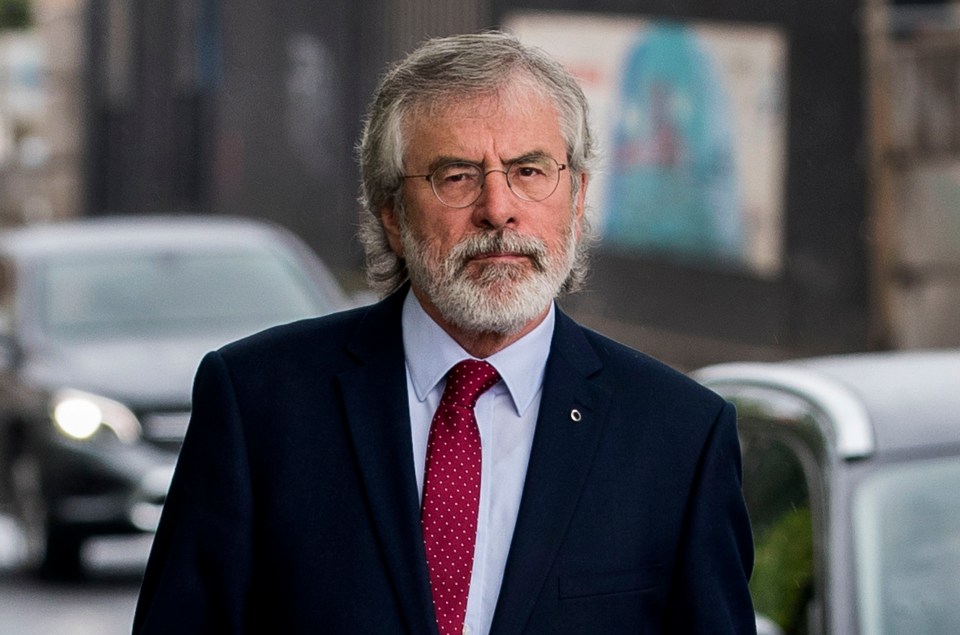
(777, 490)
(906, 518)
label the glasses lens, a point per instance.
(457, 184)
(534, 179)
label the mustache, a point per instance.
(502, 241)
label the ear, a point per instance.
(390, 218)
(581, 202)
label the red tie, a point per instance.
(451, 491)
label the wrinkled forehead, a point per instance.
(521, 96)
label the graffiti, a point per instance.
(692, 123)
(672, 185)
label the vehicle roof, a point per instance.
(134, 232)
(908, 399)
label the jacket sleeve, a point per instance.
(198, 573)
(709, 592)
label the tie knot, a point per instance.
(467, 380)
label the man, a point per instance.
(336, 479)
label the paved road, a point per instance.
(101, 604)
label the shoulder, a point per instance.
(624, 368)
(303, 359)
(654, 406)
(641, 392)
(321, 344)
(314, 332)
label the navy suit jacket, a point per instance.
(294, 507)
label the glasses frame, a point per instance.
(483, 179)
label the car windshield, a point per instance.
(907, 524)
(173, 292)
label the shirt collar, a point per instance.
(430, 353)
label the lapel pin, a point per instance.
(575, 415)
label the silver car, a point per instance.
(852, 479)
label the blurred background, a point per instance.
(816, 143)
(778, 178)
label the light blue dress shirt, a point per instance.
(506, 415)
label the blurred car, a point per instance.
(102, 325)
(852, 478)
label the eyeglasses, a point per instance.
(459, 184)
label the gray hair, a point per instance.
(450, 68)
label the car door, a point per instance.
(784, 484)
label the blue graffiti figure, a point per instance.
(672, 186)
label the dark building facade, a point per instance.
(245, 108)
(242, 107)
(253, 108)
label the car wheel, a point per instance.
(50, 550)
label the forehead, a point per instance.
(505, 124)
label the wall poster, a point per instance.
(691, 123)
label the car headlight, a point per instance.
(79, 415)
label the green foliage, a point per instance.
(783, 573)
(15, 14)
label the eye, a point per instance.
(530, 170)
(456, 173)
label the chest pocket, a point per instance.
(582, 585)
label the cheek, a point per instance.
(441, 233)
(565, 221)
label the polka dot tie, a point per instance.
(451, 491)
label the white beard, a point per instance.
(498, 298)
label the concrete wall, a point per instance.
(41, 125)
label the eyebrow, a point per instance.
(448, 159)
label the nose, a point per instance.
(497, 205)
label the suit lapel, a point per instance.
(375, 399)
(563, 450)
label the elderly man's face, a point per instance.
(496, 265)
